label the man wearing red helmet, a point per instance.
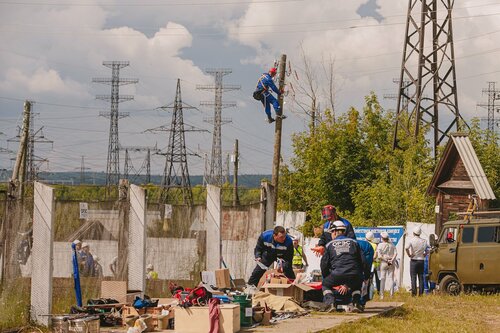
(329, 213)
(263, 93)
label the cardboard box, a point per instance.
(239, 283)
(118, 290)
(223, 278)
(195, 319)
(131, 295)
(296, 291)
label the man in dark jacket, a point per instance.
(329, 213)
(342, 266)
(273, 245)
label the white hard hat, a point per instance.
(369, 236)
(417, 231)
(384, 235)
(150, 266)
(76, 242)
(337, 225)
(85, 245)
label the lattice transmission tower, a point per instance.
(176, 185)
(33, 161)
(113, 161)
(146, 165)
(215, 176)
(428, 69)
(493, 95)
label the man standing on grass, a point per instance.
(417, 251)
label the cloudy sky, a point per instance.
(51, 49)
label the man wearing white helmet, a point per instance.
(150, 272)
(416, 249)
(97, 272)
(386, 254)
(299, 257)
(87, 264)
(342, 266)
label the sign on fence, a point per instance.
(84, 210)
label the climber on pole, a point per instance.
(262, 93)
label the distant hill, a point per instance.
(99, 178)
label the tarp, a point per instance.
(277, 303)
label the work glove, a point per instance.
(318, 250)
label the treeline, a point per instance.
(349, 162)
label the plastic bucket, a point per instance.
(246, 311)
(59, 324)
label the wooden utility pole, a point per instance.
(277, 134)
(236, 199)
(13, 206)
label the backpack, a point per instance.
(258, 94)
(145, 302)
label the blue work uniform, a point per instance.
(266, 82)
(268, 250)
(326, 237)
(342, 263)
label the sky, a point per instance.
(50, 50)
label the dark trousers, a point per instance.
(258, 272)
(377, 280)
(417, 270)
(354, 283)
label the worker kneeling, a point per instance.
(273, 245)
(342, 268)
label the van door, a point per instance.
(486, 255)
(444, 255)
(465, 255)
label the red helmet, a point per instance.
(328, 212)
(272, 71)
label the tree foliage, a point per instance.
(350, 163)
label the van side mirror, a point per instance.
(432, 240)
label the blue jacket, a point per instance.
(266, 82)
(343, 256)
(368, 254)
(269, 250)
(326, 237)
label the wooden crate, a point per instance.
(195, 319)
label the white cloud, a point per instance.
(52, 52)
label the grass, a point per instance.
(14, 305)
(433, 313)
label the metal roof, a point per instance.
(473, 166)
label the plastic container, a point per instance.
(59, 324)
(246, 311)
(85, 325)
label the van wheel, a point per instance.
(450, 285)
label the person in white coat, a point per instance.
(386, 254)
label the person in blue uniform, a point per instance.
(342, 265)
(273, 245)
(265, 86)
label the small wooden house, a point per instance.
(458, 175)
